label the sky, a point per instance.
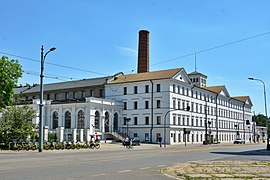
(231, 39)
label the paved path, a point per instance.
(112, 161)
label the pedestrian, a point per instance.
(96, 136)
(159, 141)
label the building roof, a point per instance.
(215, 89)
(197, 73)
(242, 98)
(163, 74)
(62, 85)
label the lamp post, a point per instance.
(164, 127)
(265, 109)
(40, 143)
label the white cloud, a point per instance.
(126, 50)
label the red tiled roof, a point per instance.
(163, 74)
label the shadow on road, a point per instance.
(260, 152)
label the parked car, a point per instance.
(136, 142)
(239, 141)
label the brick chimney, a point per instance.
(143, 52)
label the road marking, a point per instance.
(123, 171)
(161, 165)
(145, 168)
(103, 174)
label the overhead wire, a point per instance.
(162, 62)
(212, 48)
(53, 64)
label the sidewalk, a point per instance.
(220, 170)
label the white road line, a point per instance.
(161, 165)
(145, 168)
(103, 174)
(123, 171)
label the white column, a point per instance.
(81, 134)
(88, 135)
(45, 133)
(60, 134)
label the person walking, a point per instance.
(159, 141)
(96, 137)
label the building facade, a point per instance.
(171, 104)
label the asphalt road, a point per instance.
(113, 161)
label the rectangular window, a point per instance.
(174, 120)
(92, 93)
(135, 120)
(74, 95)
(125, 105)
(158, 104)
(173, 88)
(183, 104)
(146, 137)
(135, 134)
(125, 90)
(101, 93)
(179, 104)
(135, 89)
(147, 120)
(66, 95)
(135, 105)
(179, 120)
(158, 87)
(146, 104)
(83, 94)
(159, 120)
(183, 121)
(174, 104)
(157, 136)
(179, 137)
(146, 88)
(48, 97)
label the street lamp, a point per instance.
(164, 128)
(265, 108)
(40, 143)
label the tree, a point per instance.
(16, 123)
(10, 72)
(260, 120)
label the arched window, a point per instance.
(97, 120)
(80, 119)
(67, 120)
(55, 120)
(115, 122)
